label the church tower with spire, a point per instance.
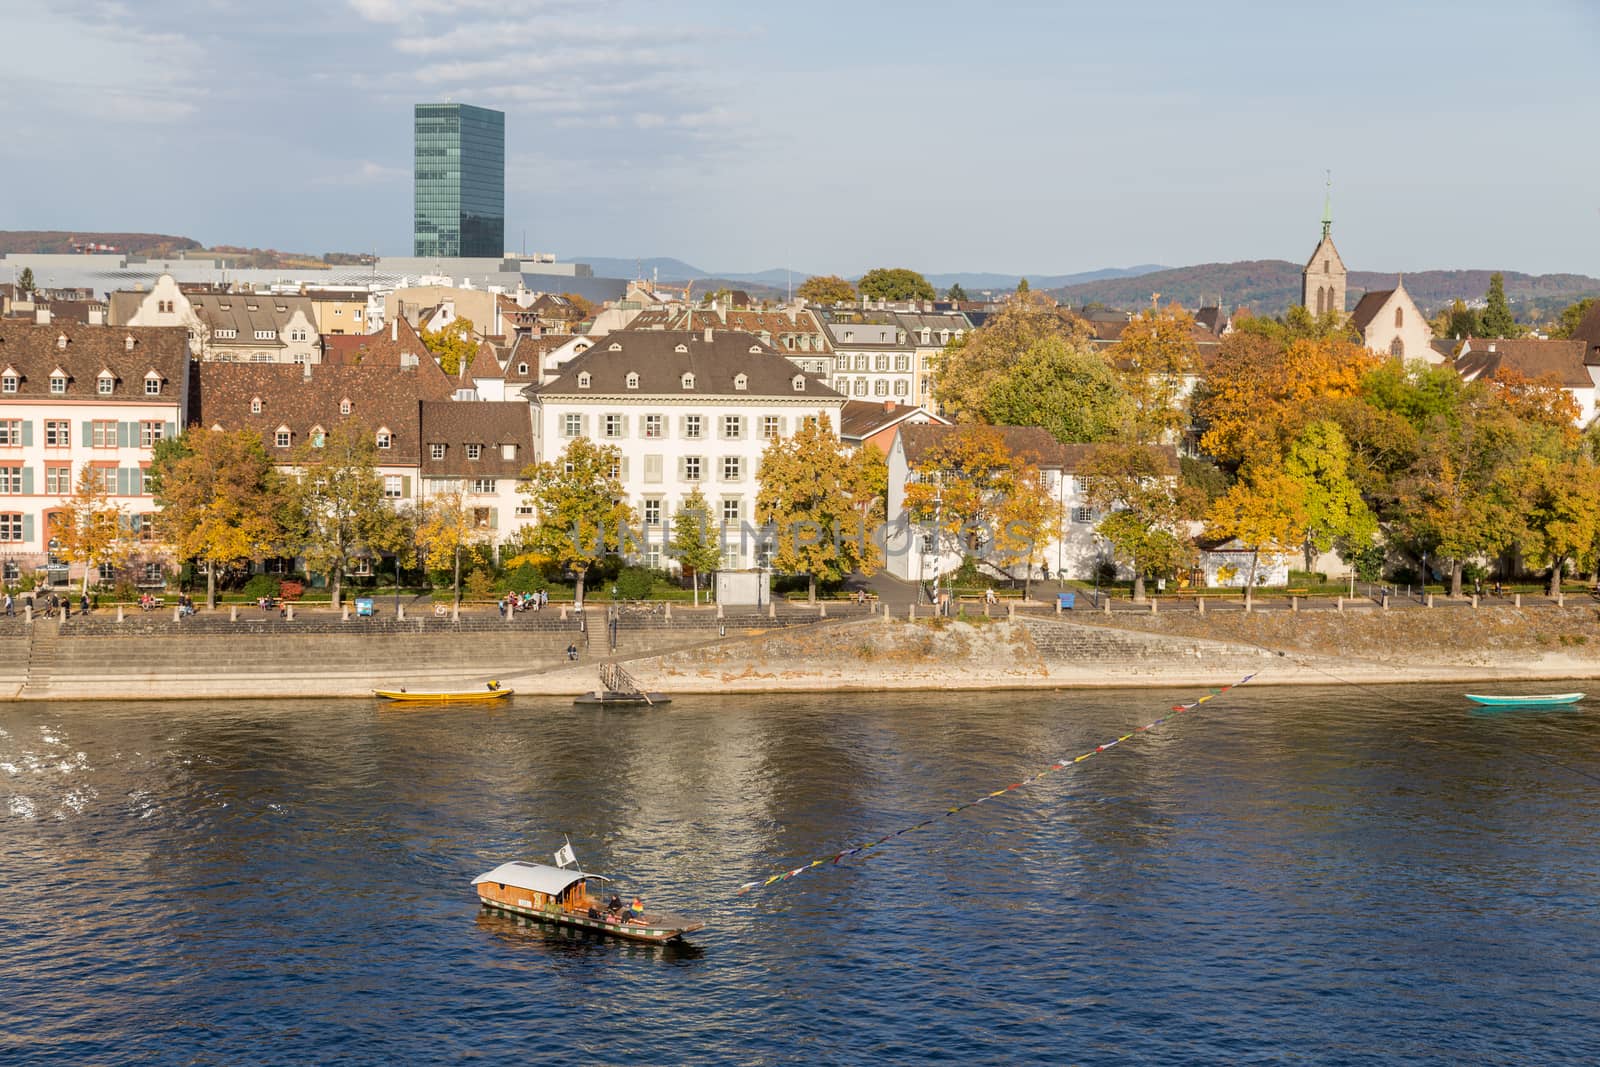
(1324, 279)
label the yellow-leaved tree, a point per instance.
(91, 529)
(583, 511)
(1266, 511)
(446, 527)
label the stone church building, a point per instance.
(1389, 321)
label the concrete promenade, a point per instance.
(792, 647)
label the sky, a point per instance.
(1017, 136)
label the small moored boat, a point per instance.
(610, 698)
(573, 898)
(1531, 701)
(491, 691)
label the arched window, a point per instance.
(633, 379)
(1399, 317)
(1322, 300)
(1327, 266)
(1398, 349)
(583, 379)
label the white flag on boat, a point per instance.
(565, 855)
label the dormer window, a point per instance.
(522, 368)
(927, 335)
(584, 379)
(799, 383)
(61, 342)
(755, 349)
(385, 438)
(282, 437)
(740, 381)
(688, 380)
(58, 382)
(127, 343)
(633, 379)
(106, 384)
(436, 451)
(681, 348)
(255, 405)
(615, 347)
(9, 381)
(319, 437)
(152, 384)
(508, 452)
(345, 406)
(944, 337)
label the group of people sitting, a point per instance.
(615, 912)
(523, 602)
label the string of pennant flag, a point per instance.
(1059, 765)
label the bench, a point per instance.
(1297, 592)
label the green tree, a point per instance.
(694, 540)
(221, 499)
(1156, 358)
(1023, 287)
(895, 283)
(1559, 501)
(820, 505)
(972, 364)
(1320, 461)
(583, 513)
(1457, 322)
(90, 528)
(1070, 390)
(337, 511)
(25, 281)
(1265, 510)
(1147, 508)
(955, 292)
(1573, 314)
(1498, 321)
(827, 290)
(452, 345)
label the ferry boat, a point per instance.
(573, 898)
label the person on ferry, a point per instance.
(636, 910)
(614, 909)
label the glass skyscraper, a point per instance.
(460, 181)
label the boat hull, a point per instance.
(648, 934)
(1542, 700)
(441, 696)
(611, 699)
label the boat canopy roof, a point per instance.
(538, 877)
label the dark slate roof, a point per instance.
(488, 424)
(35, 352)
(532, 351)
(389, 348)
(1211, 319)
(661, 357)
(1368, 306)
(1033, 443)
(1531, 358)
(380, 397)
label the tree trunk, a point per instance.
(455, 590)
(577, 599)
(811, 588)
(1555, 575)
(86, 565)
(336, 584)
(1455, 578)
(1138, 585)
(211, 586)
(696, 588)
(1311, 554)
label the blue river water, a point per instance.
(1301, 875)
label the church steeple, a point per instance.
(1324, 279)
(1327, 208)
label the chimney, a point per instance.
(394, 329)
(708, 335)
(305, 373)
(889, 405)
(41, 315)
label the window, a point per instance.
(150, 433)
(106, 572)
(474, 451)
(508, 452)
(1080, 483)
(385, 438)
(103, 433)
(861, 387)
(841, 362)
(153, 574)
(255, 405)
(227, 335)
(1083, 515)
(8, 384)
(57, 479)
(11, 480)
(880, 362)
(732, 427)
(319, 437)
(880, 387)
(345, 406)
(361, 566)
(692, 427)
(58, 385)
(266, 335)
(652, 469)
(483, 485)
(152, 386)
(652, 512)
(57, 433)
(769, 427)
(10, 526)
(282, 437)
(688, 381)
(145, 525)
(741, 382)
(105, 384)
(571, 425)
(799, 383)
(10, 432)
(732, 468)
(691, 468)
(584, 379)
(1399, 318)
(1398, 349)
(106, 477)
(9, 571)
(731, 510)
(861, 361)
(633, 379)
(901, 387)
(393, 486)
(614, 471)
(483, 518)
(436, 452)
(611, 425)
(902, 363)
(652, 425)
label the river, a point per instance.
(1328, 875)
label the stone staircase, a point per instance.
(44, 659)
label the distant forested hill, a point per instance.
(63, 242)
(1271, 286)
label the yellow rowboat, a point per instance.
(492, 691)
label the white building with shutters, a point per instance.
(75, 397)
(687, 410)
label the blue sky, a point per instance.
(1010, 136)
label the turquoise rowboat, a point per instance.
(1536, 700)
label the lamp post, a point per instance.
(1424, 574)
(1097, 561)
